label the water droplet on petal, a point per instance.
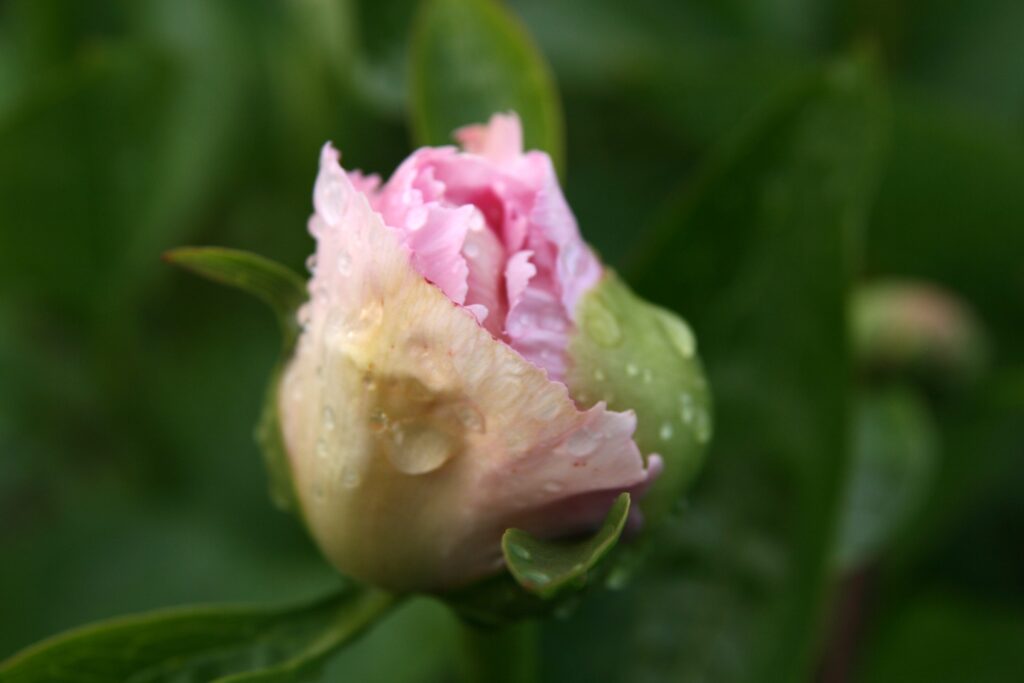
(581, 442)
(321, 449)
(378, 422)
(344, 263)
(470, 418)
(370, 315)
(350, 478)
(552, 487)
(329, 420)
(421, 449)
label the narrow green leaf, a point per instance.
(284, 291)
(202, 643)
(758, 254)
(546, 567)
(277, 286)
(893, 456)
(471, 59)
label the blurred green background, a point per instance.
(735, 159)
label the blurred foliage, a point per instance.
(731, 158)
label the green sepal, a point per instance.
(284, 291)
(211, 643)
(543, 577)
(545, 568)
(636, 356)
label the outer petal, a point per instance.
(415, 437)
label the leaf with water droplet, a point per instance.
(545, 568)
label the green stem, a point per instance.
(508, 654)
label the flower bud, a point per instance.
(427, 407)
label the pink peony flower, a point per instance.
(426, 409)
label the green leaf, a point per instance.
(472, 59)
(547, 567)
(947, 639)
(284, 291)
(639, 357)
(893, 456)
(758, 253)
(203, 643)
(277, 286)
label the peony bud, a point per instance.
(427, 407)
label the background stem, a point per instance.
(508, 654)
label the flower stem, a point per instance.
(507, 654)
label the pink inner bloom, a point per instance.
(490, 227)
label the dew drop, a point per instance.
(679, 333)
(329, 420)
(350, 478)
(601, 325)
(536, 577)
(471, 250)
(321, 449)
(370, 315)
(599, 375)
(617, 579)
(632, 370)
(548, 411)
(344, 263)
(581, 442)
(648, 376)
(378, 422)
(702, 426)
(686, 408)
(311, 264)
(666, 431)
(421, 449)
(553, 487)
(470, 418)
(519, 551)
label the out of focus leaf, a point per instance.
(547, 567)
(284, 292)
(471, 59)
(757, 254)
(891, 464)
(203, 643)
(942, 639)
